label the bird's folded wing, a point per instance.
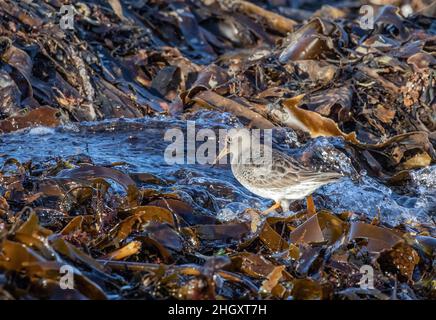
(284, 171)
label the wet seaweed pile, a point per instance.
(141, 243)
(129, 233)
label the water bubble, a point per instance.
(232, 211)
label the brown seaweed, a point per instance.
(315, 72)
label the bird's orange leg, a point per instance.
(275, 206)
(311, 209)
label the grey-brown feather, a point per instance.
(281, 176)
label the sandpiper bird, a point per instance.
(278, 177)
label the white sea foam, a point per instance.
(41, 131)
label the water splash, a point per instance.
(234, 211)
(369, 197)
(140, 144)
(41, 131)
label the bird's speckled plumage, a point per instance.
(280, 177)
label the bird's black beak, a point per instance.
(221, 155)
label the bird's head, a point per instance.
(237, 142)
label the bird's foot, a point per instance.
(311, 209)
(273, 208)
